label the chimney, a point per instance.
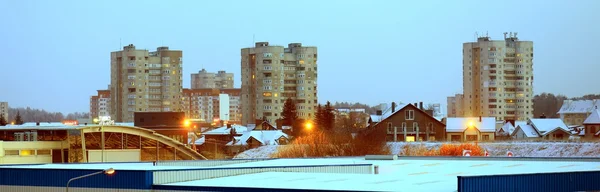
(543, 116)
(37, 124)
(480, 118)
(393, 107)
(379, 112)
(228, 125)
(416, 105)
(421, 105)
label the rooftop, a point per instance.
(405, 174)
(579, 106)
(545, 126)
(594, 118)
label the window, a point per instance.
(415, 126)
(389, 127)
(410, 115)
(485, 137)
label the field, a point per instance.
(519, 149)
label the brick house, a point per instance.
(411, 123)
(592, 125)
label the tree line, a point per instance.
(22, 115)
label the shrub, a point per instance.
(457, 149)
(331, 144)
(418, 150)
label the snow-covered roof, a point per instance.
(42, 126)
(528, 130)
(198, 141)
(579, 106)
(225, 131)
(264, 137)
(594, 118)
(545, 126)
(510, 128)
(459, 124)
(376, 118)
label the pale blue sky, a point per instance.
(57, 53)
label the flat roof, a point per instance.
(405, 174)
(394, 175)
(141, 166)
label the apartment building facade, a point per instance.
(271, 74)
(100, 104)
(219, 80)
(4, 110)
(213, 105)
(455, 106)
(144, 81)
(498, 78)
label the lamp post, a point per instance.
(108, 171)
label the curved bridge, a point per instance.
(146, 133)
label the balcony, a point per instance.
(510, 72)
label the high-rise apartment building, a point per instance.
(4, 110)
(145, 81)
(455, 106)
(219, 80)
(498, 78)
(212, 104)
(271, 74)
(100, 104)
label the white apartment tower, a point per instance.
(144, 81)
(271, 74)
(497, 78)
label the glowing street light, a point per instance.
(309, 126)
(187, 123)
(471, 124)
(108, 171)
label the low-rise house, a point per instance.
(508, 128)
(470, 128)
(411, 123)
(224, 134)
(592, 125)
(548, 129)
(257, 138)
(574, 112)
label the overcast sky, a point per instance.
(57, 53)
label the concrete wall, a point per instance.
(125, 155)
(28, 152)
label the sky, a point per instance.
(57, 53)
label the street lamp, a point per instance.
(309, 126)
(108, 171)
(186, 123)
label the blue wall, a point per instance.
(542, 182)
(122, 179)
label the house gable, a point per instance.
(402, 111)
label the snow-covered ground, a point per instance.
(519, 149)
(257, 153)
